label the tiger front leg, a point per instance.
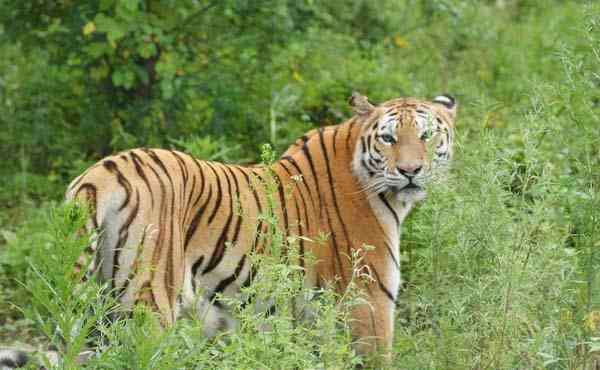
(372, 326)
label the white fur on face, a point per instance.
(370, 165)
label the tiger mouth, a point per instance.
(410, 187)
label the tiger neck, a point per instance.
(334, 151)
(389, 210)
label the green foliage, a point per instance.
(65, 310)
(272, 327)
(211, 149)
(500, 263)
(496, 285)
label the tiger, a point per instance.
(171, 236)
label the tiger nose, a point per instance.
(409, 170)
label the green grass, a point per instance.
(500, 263)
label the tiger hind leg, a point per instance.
(214, 316)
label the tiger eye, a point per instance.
(387, 138)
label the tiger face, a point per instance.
(405, 144)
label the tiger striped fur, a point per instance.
(172, 225)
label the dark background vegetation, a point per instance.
(500, 264)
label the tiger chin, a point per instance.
(359, 181)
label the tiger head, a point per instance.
(404, 144)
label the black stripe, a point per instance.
(243, 171)
(192, 206)
(251, 275)
(389, 249)
(257, 236)
(219, 193)
(297, 167)
(338, 259)
(235, 181)
(201, 172)
(183, 210)
(370, 171)
(258, 204)
(123, 236)
(382, 286)
(301, 251)
(133, 271)
(280, 190)
(182, 165)
(333, 195)
(194, 270)
(350, 127)
(168, 277)
(160, 163)
(219, 251)
(382, 197)
(335, 132)
(260, 226)
(114, 169)
(81, 177)
(188, 205)
(254, 194)
(223, 284)
(374, 160)
(245, 284)
(311, 165)
(304, 205)
(196, 220)
(298, 218)
(157, 250)
(238, 225)
(137, 163)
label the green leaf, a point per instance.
(97, 49)
(147, 50)
(106, 4)
(123, 77)
(166, 66)
(130, 4)
(166, 86)
(114, 30)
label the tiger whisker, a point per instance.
(366, 187)
(371, 186)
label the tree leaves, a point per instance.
(89, 28)
(113, 29)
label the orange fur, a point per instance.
(169, 222)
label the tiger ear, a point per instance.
(360, 103)
(448, 102)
